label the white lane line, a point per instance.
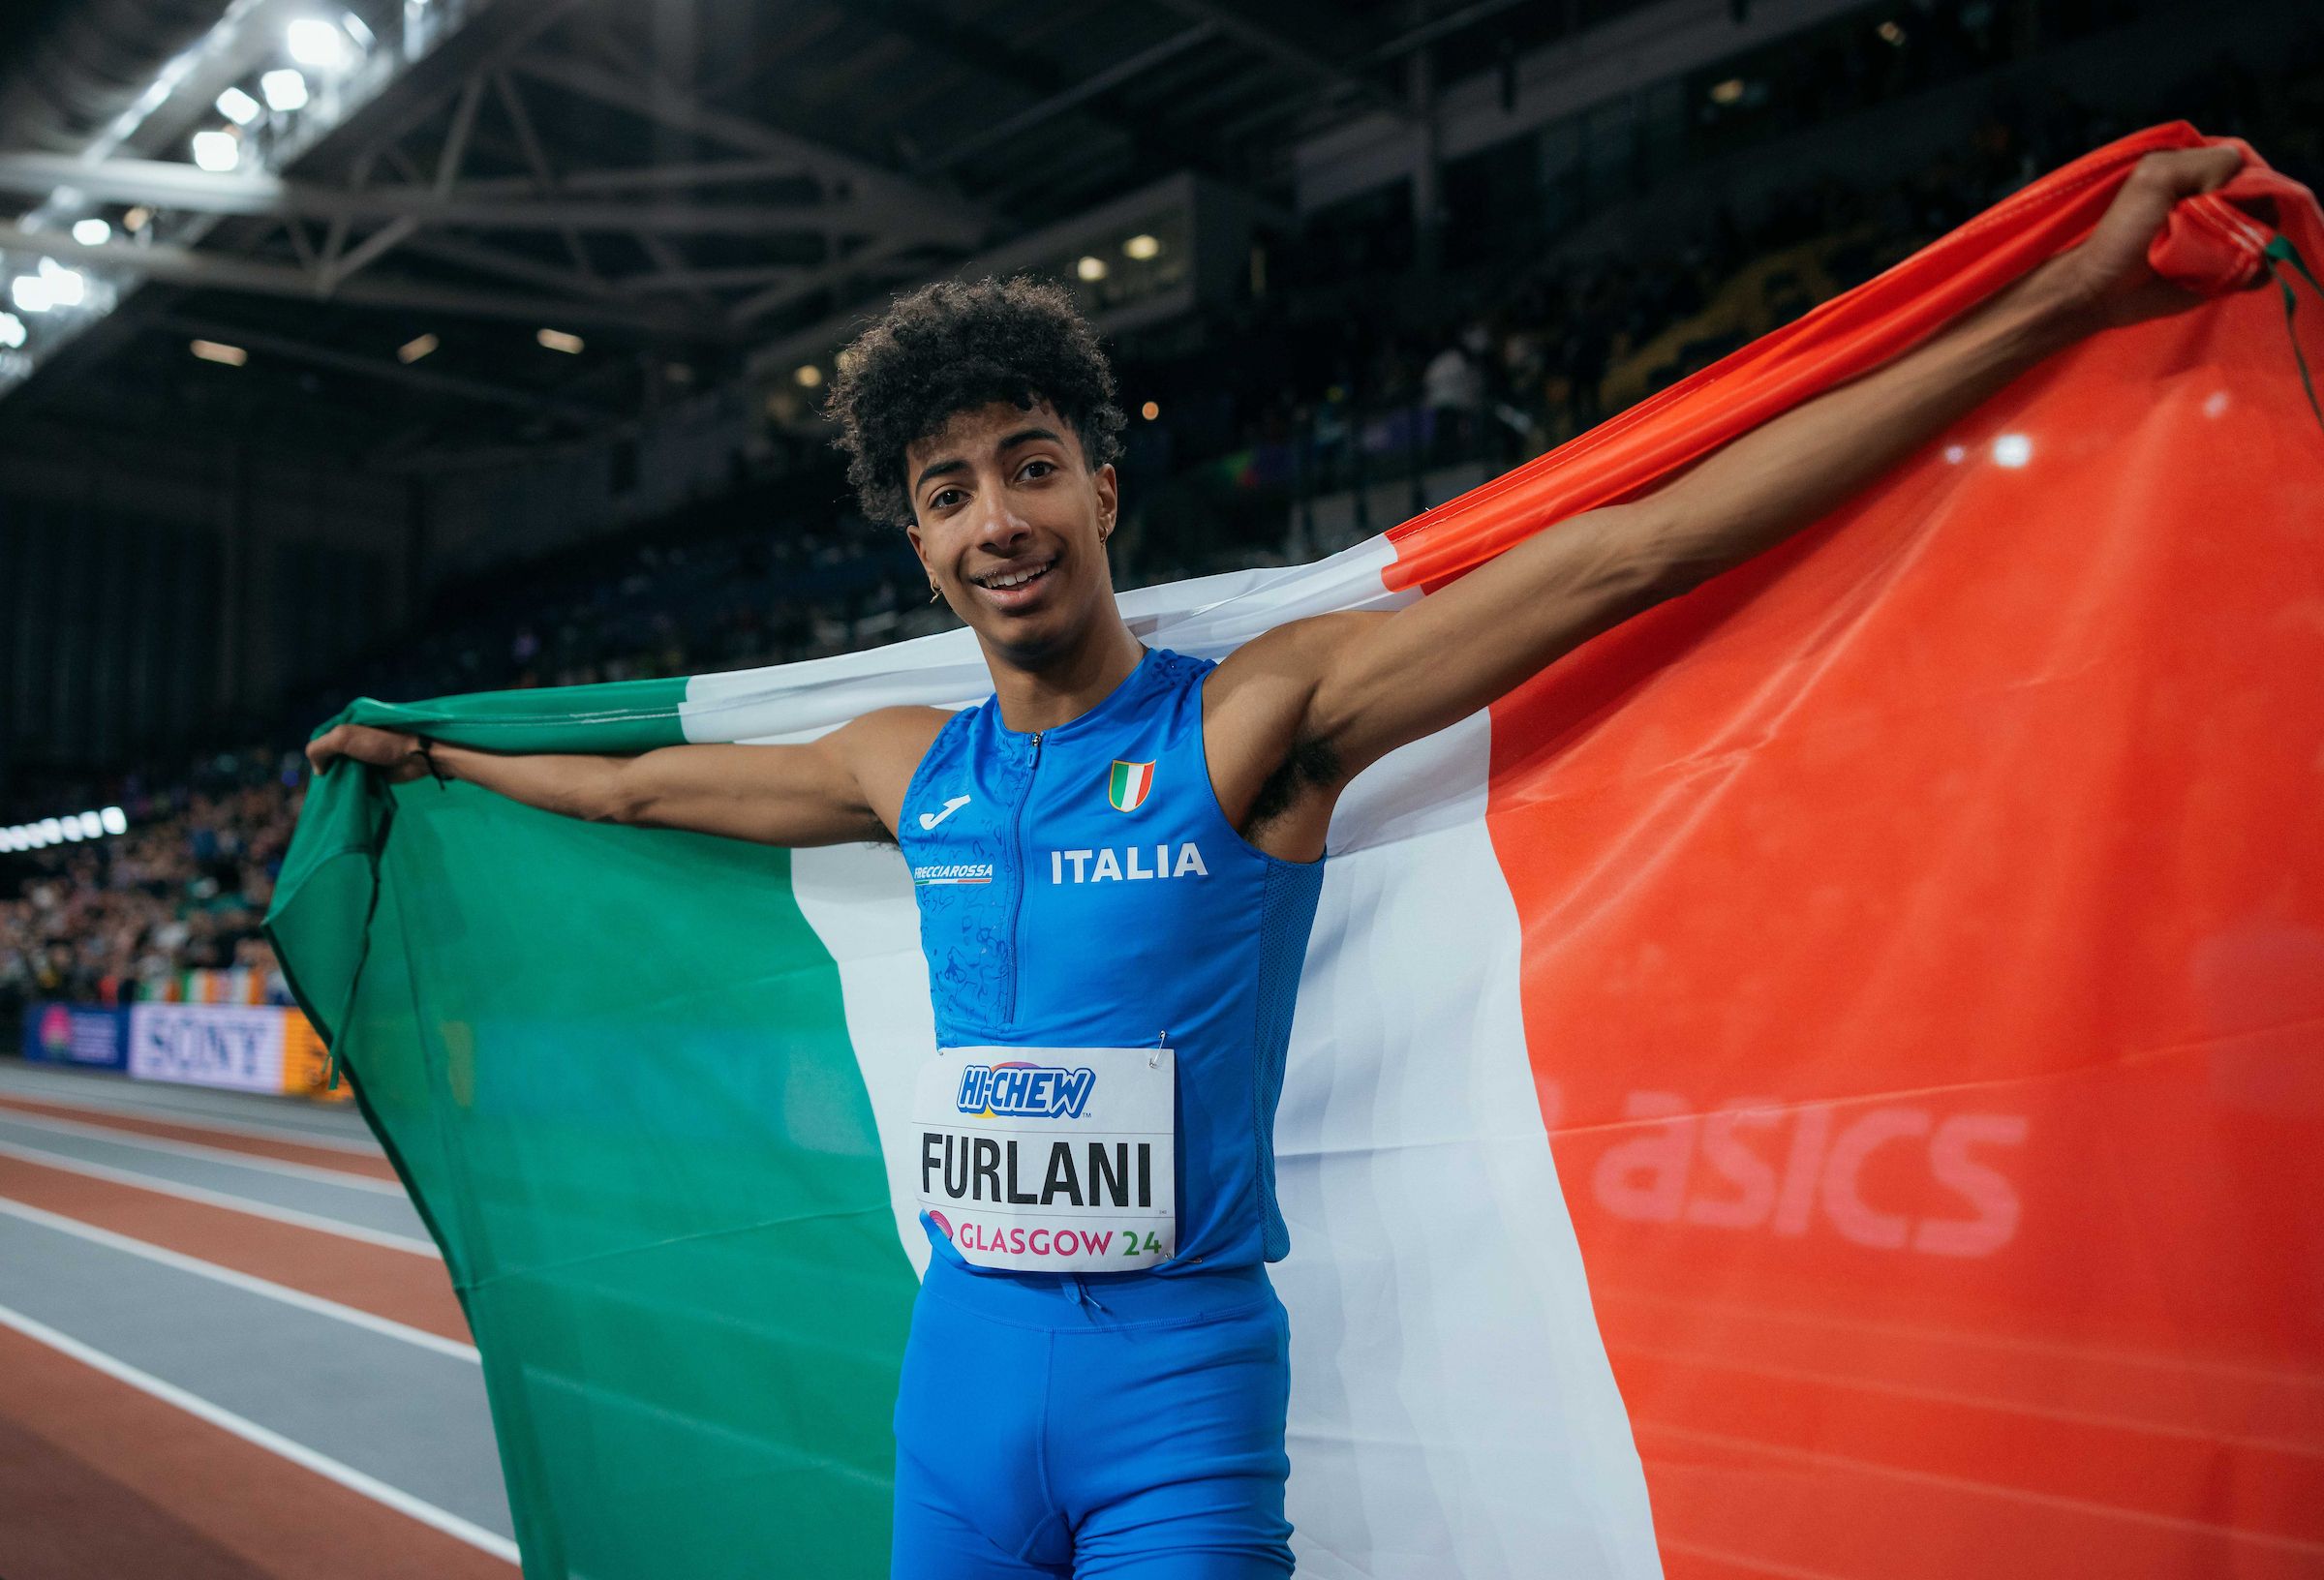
(274, 1443)
(220, 1198)
(247, 1282)
(308, 1172)
(197, 1120)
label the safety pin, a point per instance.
(1154, 1060)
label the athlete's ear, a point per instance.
(1109, 499)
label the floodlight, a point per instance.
(217, 150)
(357, 30)
(557, 340)
(136, 219)
(1090, 268)
(31, 292)
(92, 826)
(286, 89)
(2012, 451)
(238, 106)
(412, 350)
(1142, 247)
(12, 331)
(58, 831)
(92, 232)
(314, 42)
(808, 376)
(212, 351)
(1150, 410)
(114, 819)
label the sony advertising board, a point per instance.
(207, 1045)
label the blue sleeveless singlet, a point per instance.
(1081, 887)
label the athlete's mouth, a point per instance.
(1010, 577)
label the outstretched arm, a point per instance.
(1373, 683)
(842, 787)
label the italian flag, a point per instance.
(1825, 1082)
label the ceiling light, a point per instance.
(557, 340)
(1150, 410)
(412, 350)
(1141, 247)
(1090, 268)
(314, 42)
(92, 826)
(92, 232)
(31, 293)
(115, 820)
(136, 219)
(211, 351)
(61, 829)
(1728, 92)
(217, 150)
(808, 376)
(12, 331)
(66, 288)
(356, 30)
(238, 106)
(286, 89)
(1894, 34)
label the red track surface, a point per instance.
(391, 1284)
(100, 1480)
(224, 1140)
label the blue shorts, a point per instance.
(1117, 1426)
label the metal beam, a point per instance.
(178, 266)
(423, 380)
(162, 184)
(751, 310)
(472, 255)
(928, 213)
(1297, 56)
(1057, 103)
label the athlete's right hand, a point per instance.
(395, 754)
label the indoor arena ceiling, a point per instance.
(425, 221)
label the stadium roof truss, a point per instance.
(665, 182)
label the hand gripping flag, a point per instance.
(1825, 1082)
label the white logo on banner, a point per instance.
(207, 1045)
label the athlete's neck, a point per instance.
(1064, 686)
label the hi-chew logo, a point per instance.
(1024, 1091)
(1128, 785)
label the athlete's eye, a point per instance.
(941, 495)
(1047, 467)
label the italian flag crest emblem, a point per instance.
(1126, 788)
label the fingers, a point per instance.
(2184, 173)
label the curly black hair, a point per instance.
(949, 347)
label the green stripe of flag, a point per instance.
(612, 1066)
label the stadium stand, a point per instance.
(1513, 354)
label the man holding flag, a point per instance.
(1117, 860)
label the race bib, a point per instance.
(1060, 1160)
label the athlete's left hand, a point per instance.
(2106, 280)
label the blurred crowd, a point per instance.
(1514, 357)
(126, 919)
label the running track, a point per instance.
(228, 1348)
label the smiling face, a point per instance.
(1010, 522)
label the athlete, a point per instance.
(1116, 858)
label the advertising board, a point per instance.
(84, 1035)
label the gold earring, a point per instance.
(935, 593)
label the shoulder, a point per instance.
(884, 747)
(1286, 661)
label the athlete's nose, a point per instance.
(999, 530)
